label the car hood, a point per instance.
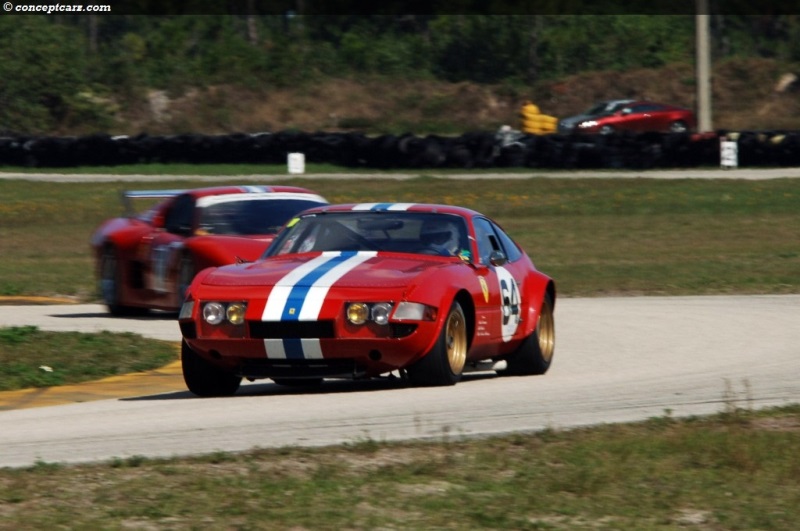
(575, 120)
(347, 270)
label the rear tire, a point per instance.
(205, 379)
(445, 362)
(535, 354)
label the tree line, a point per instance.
(60, 70)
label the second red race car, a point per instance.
(640, 116)
(146, 260)
(358, 291)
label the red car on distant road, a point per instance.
(147, 260)
(641, 116)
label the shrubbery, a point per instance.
(58, 71)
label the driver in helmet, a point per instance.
(441, 235)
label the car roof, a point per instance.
(244, 189)
(216, 190)
(394, 207)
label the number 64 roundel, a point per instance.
(510, 303)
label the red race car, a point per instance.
(641, 116)
(358, 291)
(146, 261)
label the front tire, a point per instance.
(445, 362)
(678, 127)
(535, 354)
(186, 273)
(205, 379)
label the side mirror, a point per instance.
(498, 258)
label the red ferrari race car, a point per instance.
(640, 116)
(358, 291)
(146, 261)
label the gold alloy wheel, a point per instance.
(546, 331)
(456, 341)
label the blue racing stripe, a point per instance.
(294, 303)
(293, 348)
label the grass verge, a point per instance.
(30, 357)
(734, 471)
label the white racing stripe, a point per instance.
(299, 296)
(383, 206)
(280, 293)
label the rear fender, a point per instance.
(536, 288)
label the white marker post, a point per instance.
(728, 154)
(297, 163)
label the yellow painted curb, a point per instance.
(14, 299)
(168, 379)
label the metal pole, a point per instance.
(703, 67)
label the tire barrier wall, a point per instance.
(356, 150)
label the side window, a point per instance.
(179, 217)
(486, 239)
(509, 246)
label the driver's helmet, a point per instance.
(441, 233)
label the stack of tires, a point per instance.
(536, 123)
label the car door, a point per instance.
(502, 275)
(165, 247)
(643, 118)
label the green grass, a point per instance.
(733, 471)
(30, 357)
(594, 236)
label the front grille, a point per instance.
(291, 329)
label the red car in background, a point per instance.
(641, 116)
(147, 260)
(358, 291)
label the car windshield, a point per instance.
(245, 215)
(597, 109)
(404, 232)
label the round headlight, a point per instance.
(213, 313)
(235, 313)
(357, 313)
(380, 312)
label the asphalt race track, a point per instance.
(617, 360)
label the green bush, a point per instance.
(58, 72)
